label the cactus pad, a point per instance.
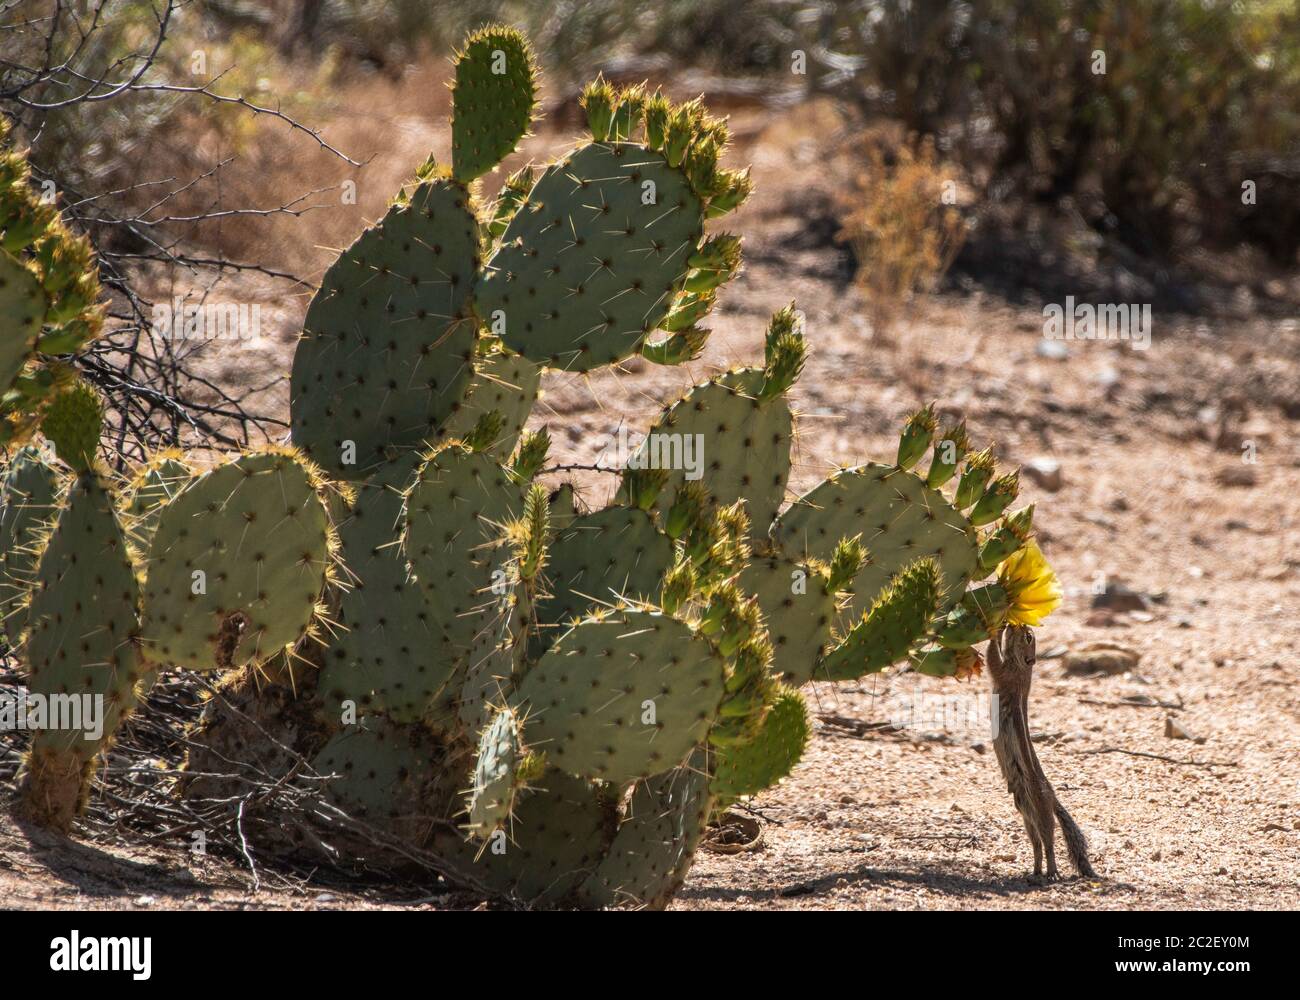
(742, 440)
(455, 517)
(896, 621)
(152, 489)
(384, 773)
(600, 558)
(390, 655)
(589, 264)
(506, 383)
(22, 311)
(498, 774)
(749, 768)
(798, 611)
(387, 346)
(622, 697)
(27, 505)
(900, 520)
(238, 565)
(81, 642)
(656, 842)
(559, 834)
(73, 423)
(493, 100)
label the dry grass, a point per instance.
(903, 225)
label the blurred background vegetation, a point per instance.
(1138, 122)
(1195, 94)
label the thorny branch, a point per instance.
(62, 57)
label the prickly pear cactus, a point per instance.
(552, 699)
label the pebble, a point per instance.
(1101, 658)
(1119, 596)
(1053, 350)
(1046, 472)
(1175, 730)
(1236, 475)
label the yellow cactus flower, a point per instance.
(1031, 585)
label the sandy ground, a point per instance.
(882, 817)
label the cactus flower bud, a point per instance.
(915, 439)
(997, 498)
(979, 470)
(950, 448)
(598, 102)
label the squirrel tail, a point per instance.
(1075, 842)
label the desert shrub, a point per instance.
(1192, 96)
(903, 230)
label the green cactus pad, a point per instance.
(504, 382)
(900, 520)
(73, 423)
(390, 654)
(896, 621)
(492, 100)
(598, 559)
(558, 836)
(494, 663)
(387, 346)
(751, 767)
(656, 842)
(622, 697)
(798, 611)
(82, 624)
(152, 489)
(22, 311)
(743, 442)
(384, 776)
(498, 774)
(28, 498)
(253, 537)
(586, 269)
(455, 518)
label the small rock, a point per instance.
(327, 897)
(1101, 658)
(981, 749)
(1175, 730)
(1156, 856)
(1142, 616)
(1222, 870)
(1278, 572)
(1106, 377)
(1119, 504)
(1183, 621)
(1236, 475)
(144, 900)
(1119, 596)
(1270, 827)
(1232, 524)
(1053, 350)
(1046, 472)
(1103, 619)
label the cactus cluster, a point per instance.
(49, 297)
(554, 699)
